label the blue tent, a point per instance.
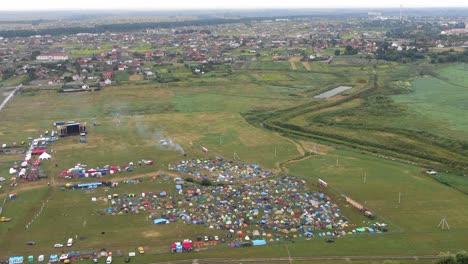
(259, 242)
(18, 259)
(160, 221)
(53, 258)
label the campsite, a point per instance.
(242, 159)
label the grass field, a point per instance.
(13, 81)
(384, 180)
(442, 99)
(208, 111)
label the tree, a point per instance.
(68, 79)
(349, 50)
(34, 54)
(462, 257)
(32, 74)
(206, 182)
(337, 52)
(449, 258)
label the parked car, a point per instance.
(5, 219)
(31, 243)
(2, 179)
(58, 245)
(141, 250)
(95, 260)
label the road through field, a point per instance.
(43, 183)
(290, 259)
(9, 96)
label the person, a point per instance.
(48, 183)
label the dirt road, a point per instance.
(307, 65)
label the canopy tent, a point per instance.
(15, 260)
(259, 242)
(160, 221)
(45, 156)
(38, 151)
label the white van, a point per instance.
(69, 242)
(109, 260)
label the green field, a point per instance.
(248, 114)
(13, 81)
(442, 99)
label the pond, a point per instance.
(333, 92)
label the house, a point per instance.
(159, 53)
(149, 56)
(108, 74)
(121, 67)
(52, 57)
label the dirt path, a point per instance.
(12, 93)
(43, 183)
(307, 65)
(293, 61)
(281, 165)
(293, 65)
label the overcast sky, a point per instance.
(7, 5)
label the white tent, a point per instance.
(13, 171)
(45, 156)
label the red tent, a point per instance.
(187, 244)
(38, 151)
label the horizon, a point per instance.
(187, 5)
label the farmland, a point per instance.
(263, 113)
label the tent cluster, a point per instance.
(279, 207)
(219, 170)
(82, 170)
(30, 170)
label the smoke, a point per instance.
(168, 143)
(162, 142)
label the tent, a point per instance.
(160, 221)
(45, 156)
(260, 242)
(38, 151)
(15, 260)
(53, 258)
(13, 171)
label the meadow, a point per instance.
(209, 111)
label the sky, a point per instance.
(31, 5)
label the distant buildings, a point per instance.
(52, 57)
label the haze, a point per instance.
(207, 4)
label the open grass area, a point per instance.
(441, 99)
(121, 76)
(13, 81)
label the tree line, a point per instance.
(125, 27)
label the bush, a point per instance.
(206, 182)
(189, 179)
